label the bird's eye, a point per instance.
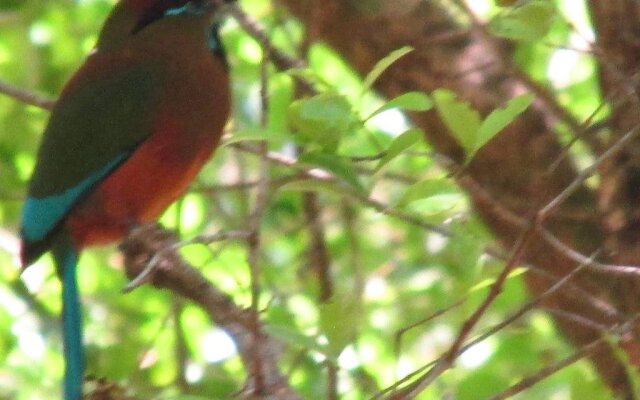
(194, 7)
(154, 13)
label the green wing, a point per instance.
(106, 110)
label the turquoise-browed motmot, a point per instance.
(130, 130)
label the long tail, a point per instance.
(66, 257)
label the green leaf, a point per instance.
(382, 66)
(499, 118)
(401, 143)
(466, 124)
(323, 119)
(528, 22)
(587, 387)
(490, 281)
(340, 320)
(427, 188)
(339, 166)
(308, 74)
(294, 337)
(411, 101)
(255, 133)
(313, 185)
(462, 120)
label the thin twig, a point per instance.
(504, 213)
(26, 96)
(144, 276)
(397, 341)
(181, 349)
(545, 372)
(282, 60)
(576, 318)
(318, 254)
(587, 172)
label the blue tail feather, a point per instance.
(66, 256)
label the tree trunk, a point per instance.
(525, 166)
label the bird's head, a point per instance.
(132, 16)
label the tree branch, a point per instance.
(173, 273)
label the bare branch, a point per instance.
(584, 351)
(25, 96)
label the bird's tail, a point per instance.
(66, 257)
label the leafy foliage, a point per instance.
(466, 124)
(527, 22)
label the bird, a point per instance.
(129, 132)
